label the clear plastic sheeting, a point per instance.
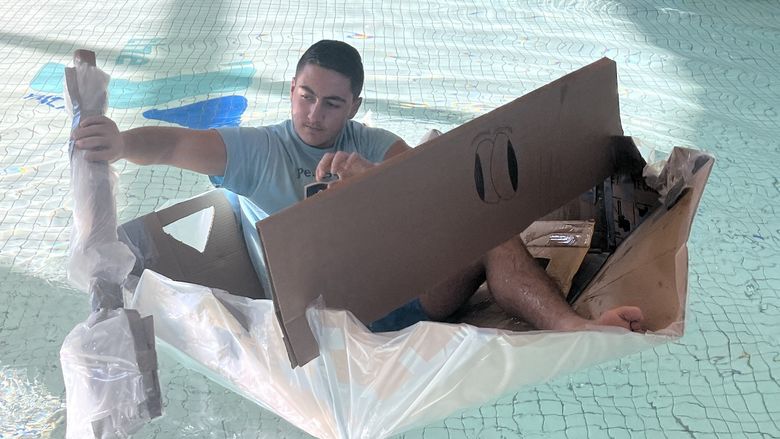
(363, 384)
(669, 176)
(109, 362)
(95, 251)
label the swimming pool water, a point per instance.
(691, 73)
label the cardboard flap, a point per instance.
(384, 237)
(223, 264)
(650, 267)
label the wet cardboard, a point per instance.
(374, 243)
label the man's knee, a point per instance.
(512, 247)
(444, 299)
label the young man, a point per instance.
(271, 166)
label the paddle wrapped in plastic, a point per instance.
(109, 362)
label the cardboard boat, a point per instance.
(349, 255)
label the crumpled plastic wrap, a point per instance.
(109, 362)
(95, 251)
(363, 384)
(669, 176)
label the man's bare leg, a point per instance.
(521, 288)
(444, 299)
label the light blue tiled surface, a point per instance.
(701, 74)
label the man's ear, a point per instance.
(292, 86)
(355, 107)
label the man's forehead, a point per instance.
(325, 96)
(323, 82)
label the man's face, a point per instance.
(322, 103)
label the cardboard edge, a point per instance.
(277, 310)
(702, 164)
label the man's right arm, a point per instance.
(201, 151)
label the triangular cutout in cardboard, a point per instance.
(193, 230)
(222, 264)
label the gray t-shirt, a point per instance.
(270, 165)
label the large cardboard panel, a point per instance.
(223, 264)
(377, 241)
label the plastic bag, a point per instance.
(109, 364)
(363, 384)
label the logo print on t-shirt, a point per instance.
(308, 173)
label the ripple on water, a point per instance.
(27, 409)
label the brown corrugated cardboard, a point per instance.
(379, 240)
(562, 244)
(650, 267)
(223, 264)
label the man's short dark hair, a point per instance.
(338, 56)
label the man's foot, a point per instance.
(629, 317)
